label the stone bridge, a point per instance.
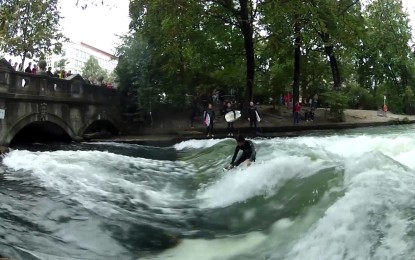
(69, 107)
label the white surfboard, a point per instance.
(231, 117)
(207, 119)
(258, 119)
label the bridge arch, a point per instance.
(99, 125)
(34, 118)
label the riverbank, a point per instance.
(273, 124)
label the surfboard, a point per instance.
(241, 166)
(207, 120)
(226, 169)
(258, 119)
(231, 117)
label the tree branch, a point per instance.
(227, 4)
(348, 7)
(227, 20)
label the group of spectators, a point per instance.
(209, 116)
(303, 110)
(61, 74)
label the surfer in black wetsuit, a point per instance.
(228, 109)
(209, 120)
(253, 121)
(248, 152)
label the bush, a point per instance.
(361, 98)
(337, 101)
(406, 120)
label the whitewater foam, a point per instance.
(198, 144)
(259, 179)
(96, 178)
(223, 248)
(338, 197)
(367, 222)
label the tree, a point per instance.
(111, 77)
(30, 28)
(175, 50)
(61, 64)
(385, 66)
(192, 47)
(337, 24)
(93, 72)
(241, 14)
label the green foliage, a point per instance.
(385, 66)
(361, 98)
(30, 28)
(61, 63)
(337, 101)
(93, 72)
(406, 120)
(111, 77)
(189, 47)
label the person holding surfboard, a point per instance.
(248, 152)
(253, 117)
(209, 116)
(297, 111)
(229, 109)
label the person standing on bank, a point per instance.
(229, 108)
(209, 117)
(297, 111)
(253, 119)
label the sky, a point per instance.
(410, 8)
(97, 25)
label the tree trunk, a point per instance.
(334, 67)
(247, 32)
(329, 50)
(304, 85)
(23, 60)
(182, 73)
(297, 64)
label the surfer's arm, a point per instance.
(253, 156)
(235, 154)
(253, 152)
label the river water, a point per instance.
(347, 195)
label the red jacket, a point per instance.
(297, 107)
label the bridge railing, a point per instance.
(73, 88)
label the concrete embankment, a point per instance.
(263, 132)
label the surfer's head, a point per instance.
(210, 106)
(240, 140)
(229, 104)
(251, 103)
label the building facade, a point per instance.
(77, 54)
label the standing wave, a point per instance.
(335, 197)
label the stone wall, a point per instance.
(70, 103)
